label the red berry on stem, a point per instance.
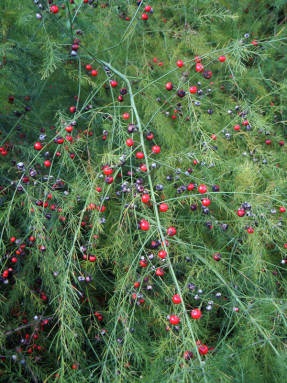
(143, 167)
(163, 207)
(217, 257)
(180, 63)
(162, 254)
(190, 187)
(171, 231)
(139, 155)
(113, 83)
(203, 349)
(129, 142)
(38, 146)
(156, 149)
(144, 225)
(193, 89)
(159, 272)
(169, 86)
(221, 59)
(282, 209)
(126, 116)
(47, 163)
(54, 9)
(202, 189)
(196, 314)
(240, 212)
(143, 263)
(94, 72)
(145, 198)
(144, 16)
(176, 299)
(150, 136)
(199, 67)
(174, 320)
(69, 128)
(205, 202)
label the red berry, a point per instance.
(217, 257)
(187, 355)
(193, 89)
(203, 349)
(150, 136)
(176, 299)
(89, 67)
(144, 225)
(109, 180)
(174, 320)
(221, 59)
(169, 86)
(241, 212)
(47, 163)
(159, 272)
(171, 231)
(130, 142)
(190, 187)
(250, 230)
(163, 207)
(180, 63)
(156, 149)
(282, 209)
(72, 109)
(144, 16)
(69, 128)
(202, 189)
(38, 146)
(143, 167)
(143, 263)
(107, 170)
(199, 67)
(162, 254)
(113, 83)
(126, 116)
(196, 314)
(236, 127)
(148, 8)
(139, 155)
(205, 202)
(145, 198)
(94, 72)
(54, 9)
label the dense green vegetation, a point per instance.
(143, 191)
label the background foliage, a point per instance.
(84, 294)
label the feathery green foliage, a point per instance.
(84, 295)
